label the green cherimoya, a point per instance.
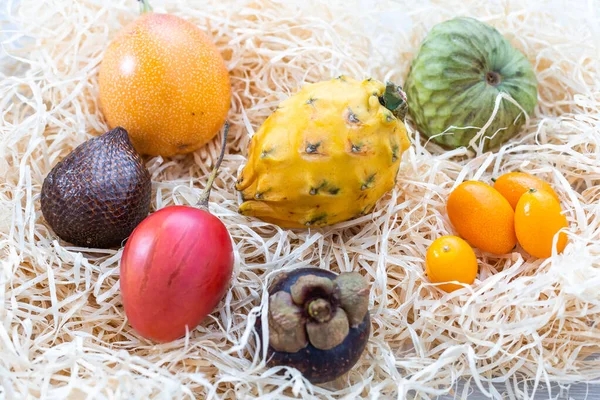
(452, 87)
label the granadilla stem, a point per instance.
(145, 6)
(203, 201)
(394, 99)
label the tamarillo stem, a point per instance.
(203, 200)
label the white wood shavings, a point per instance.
(63, 332)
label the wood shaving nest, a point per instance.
(63, 332)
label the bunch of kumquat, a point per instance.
(518, 208)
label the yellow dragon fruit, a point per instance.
(326, 155)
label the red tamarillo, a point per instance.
(176, 267)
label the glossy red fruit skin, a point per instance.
(175, 268)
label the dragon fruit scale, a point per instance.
(327, 154)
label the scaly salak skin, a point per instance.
(98, 194)
(326, 155)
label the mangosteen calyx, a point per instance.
(286, 323)
(327, 335)
(319, 311)
(311, 286)
(352, 291)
